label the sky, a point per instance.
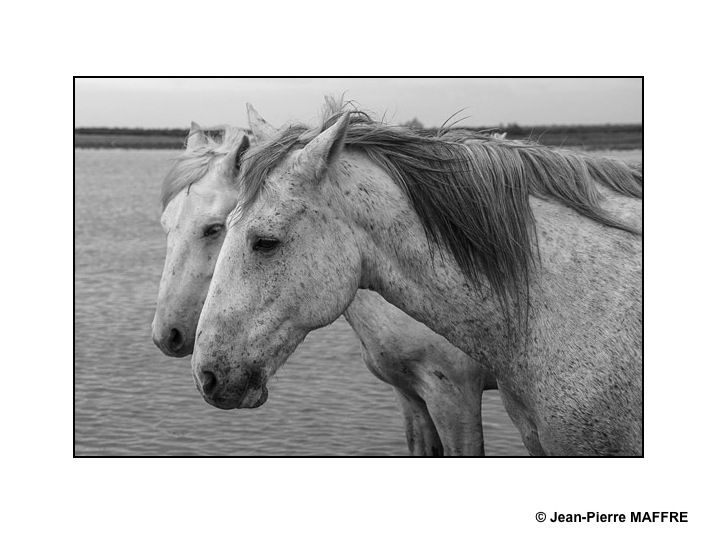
(173, 103)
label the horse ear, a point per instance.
(258, 126)
(196, 137)
(324, 150)
(237, 158)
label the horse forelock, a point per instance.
(194, 163)
(470, 191)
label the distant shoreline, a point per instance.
(596, 137)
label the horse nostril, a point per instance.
(209, 382)
(175, 342)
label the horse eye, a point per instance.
(212, 230)
(265, 244)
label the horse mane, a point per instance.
(470, 191)
(194, 163)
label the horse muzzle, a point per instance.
(248, 391)
(174, 341)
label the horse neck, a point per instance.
(399, 263)
(585, 270)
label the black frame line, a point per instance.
(642, 240)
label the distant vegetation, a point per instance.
(596, 137)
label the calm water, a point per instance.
(132, 400)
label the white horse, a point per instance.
(438, 387)
(506, 248)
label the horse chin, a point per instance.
(252, 399)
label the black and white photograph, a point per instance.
(358, 266)
(359, 271)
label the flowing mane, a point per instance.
(471, 192)
(193, 164)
